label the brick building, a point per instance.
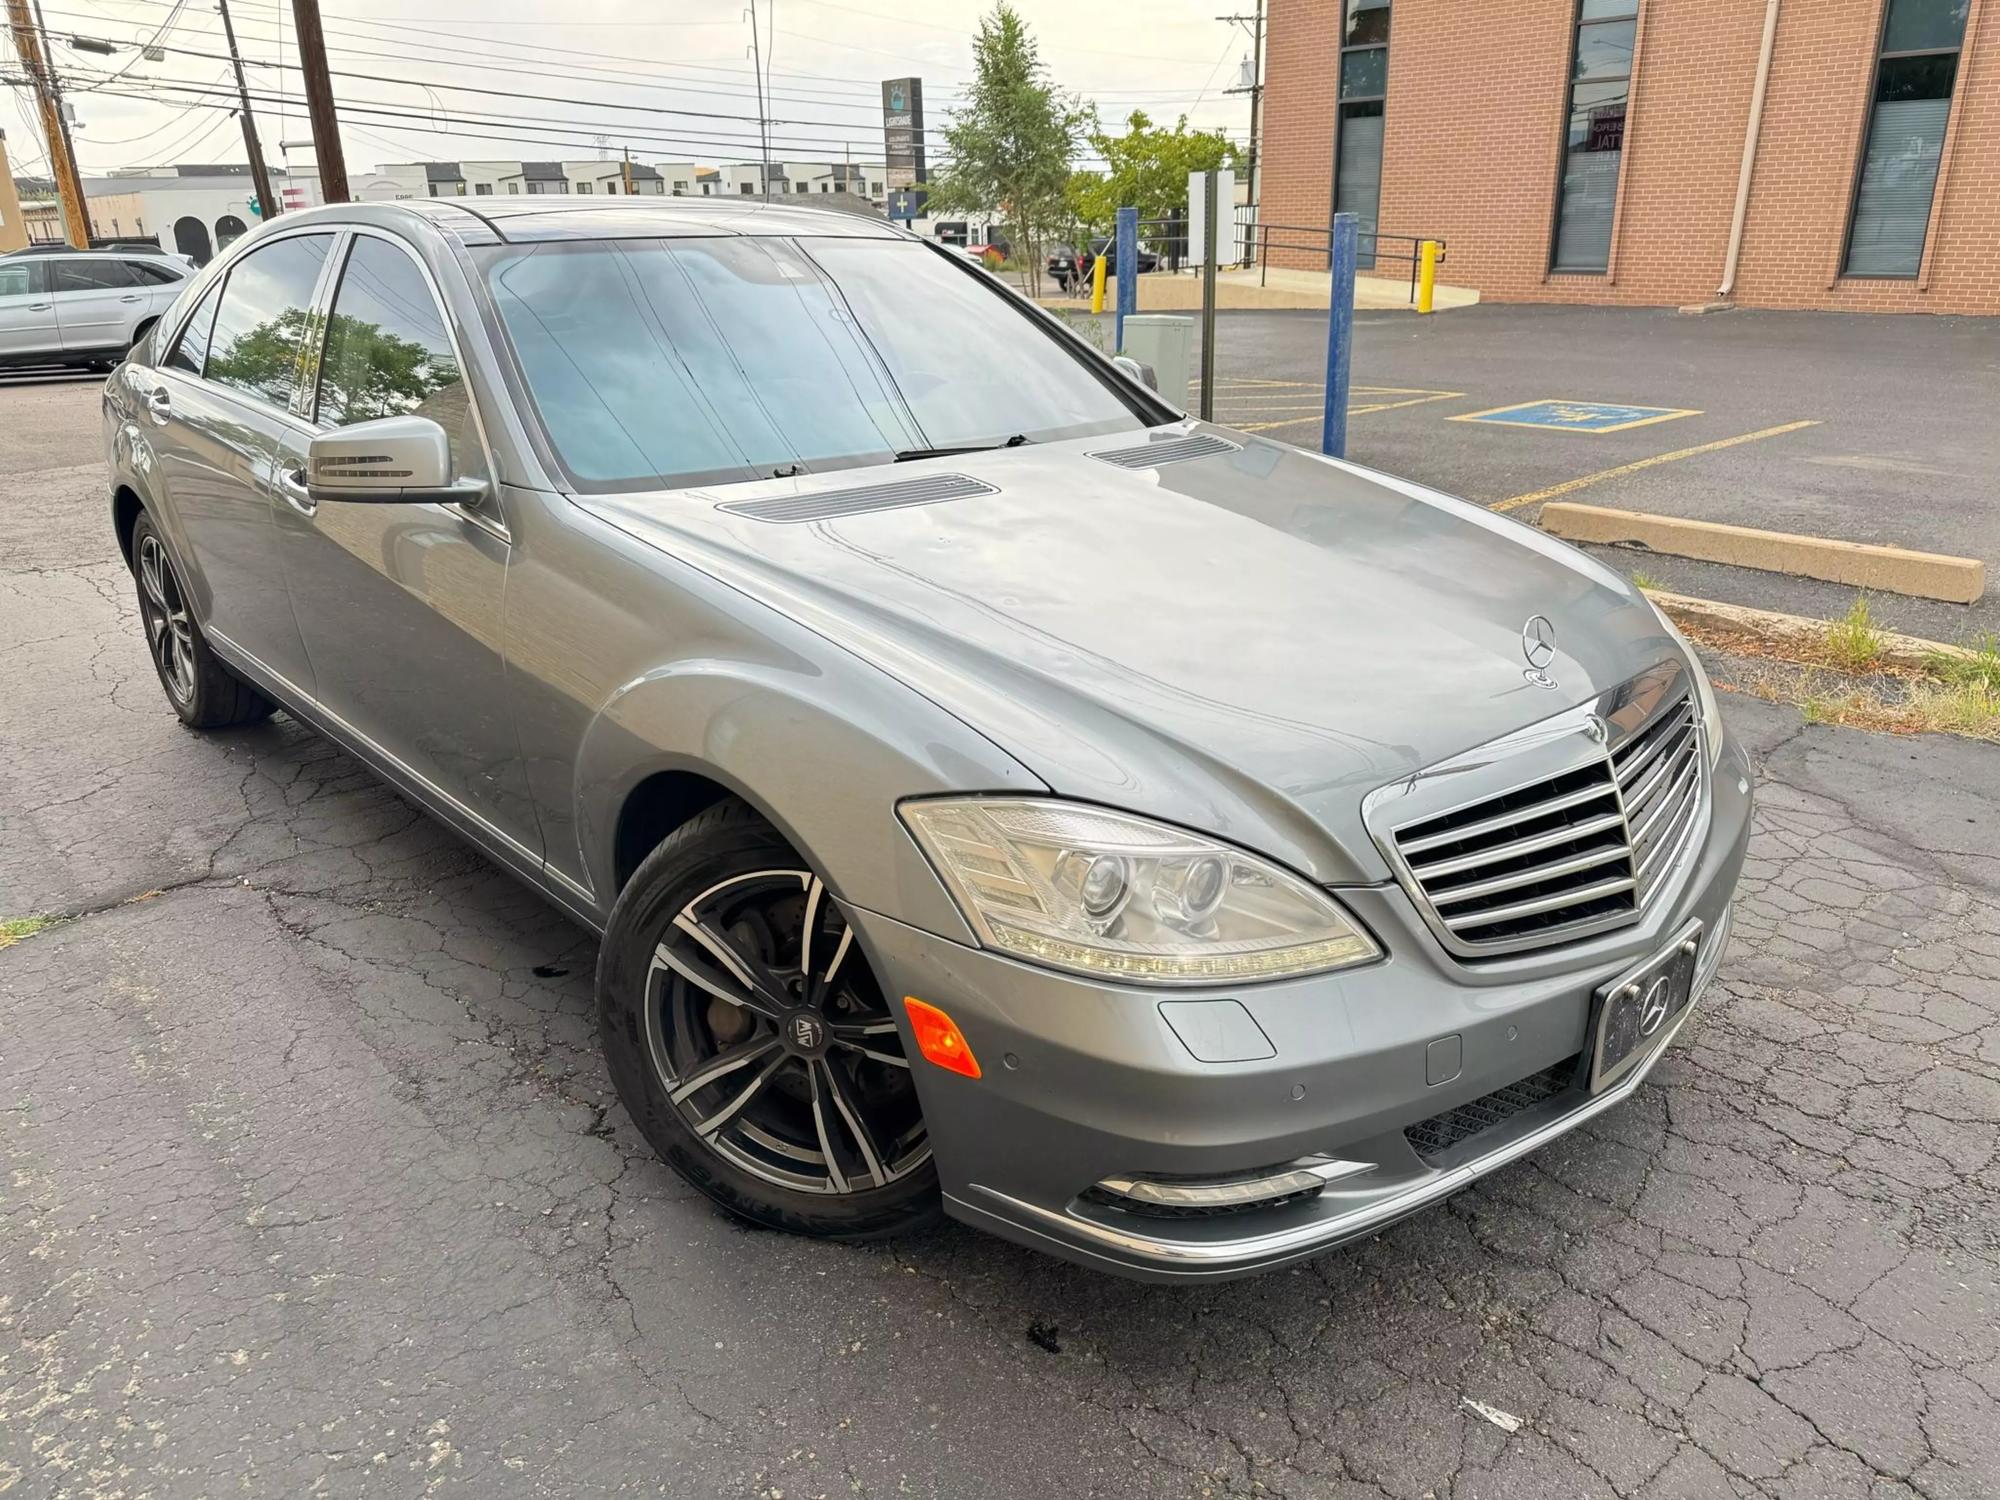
(1591, 150)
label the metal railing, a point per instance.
(1319, 240)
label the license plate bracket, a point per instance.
(1633, 1013)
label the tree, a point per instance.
(1012, 142)
(1147, 168)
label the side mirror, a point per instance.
(390, 461)
(1133, 370)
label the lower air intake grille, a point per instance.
(1170, 451)
(829, 505)
(1437, 1135)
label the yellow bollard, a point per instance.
(1097, 283)
(1427, 275)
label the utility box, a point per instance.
(1167, 344)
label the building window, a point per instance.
(584, 187)
(458, 190)
(434, 188)
(1364, 88)
(749, 188)
(482, 189)
(513, 187)
(1600, 85)
(1914, 75)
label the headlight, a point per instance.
(1119, 897)
(1711, 711)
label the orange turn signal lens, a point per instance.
(939, 1038)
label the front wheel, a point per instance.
(751, 1043)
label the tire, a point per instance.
(139, 334)
(204, 692)
(787, 1100)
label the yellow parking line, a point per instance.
(1570, 486)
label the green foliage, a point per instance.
(1853, 641)
(14, 929)
(1148, 169)
(1980, 670)
(1012, 142)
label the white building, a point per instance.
(194, 209)
(679, 179)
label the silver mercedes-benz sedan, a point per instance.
(997, 792)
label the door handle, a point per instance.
(159, 405)
(40, 306)
(292, 485)
(131, 297)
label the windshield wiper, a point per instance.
(1016, 441)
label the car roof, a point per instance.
(538, 217)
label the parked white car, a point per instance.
(85, 308)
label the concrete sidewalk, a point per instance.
(1273, 290)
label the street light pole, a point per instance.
(48, 99)
(319, 102)
(260, 175)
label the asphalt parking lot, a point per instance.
(314, 1182)
(1898, 443)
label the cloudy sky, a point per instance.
(445, 79)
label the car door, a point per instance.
(218, 403)
(402, 606)
(27, 316)
(98, 302)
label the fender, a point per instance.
(741, 722)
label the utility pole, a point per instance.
(267, 201)
(62, 156)
(319, 102)
(1255, 89)
(763, 120)
(628, 171)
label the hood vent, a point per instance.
(1171, 451)
(831, 505)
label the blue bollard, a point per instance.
(1128, 273)
(1339, 338)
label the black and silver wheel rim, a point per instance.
(774, 1043)
(165, 612)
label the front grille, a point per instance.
(1569, 855)
(1437, 1135)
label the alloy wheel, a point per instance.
(775, 1044)
(168, 630)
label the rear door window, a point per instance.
(192, 349)
(261, 325)
(94, 276)
(152, 275)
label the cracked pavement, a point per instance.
(313, 1181)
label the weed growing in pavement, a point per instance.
(1982, 668)
(1853, 641)
(1646, 581)
(13, 929)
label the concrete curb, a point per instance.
(1804, 635)
(1894, 570)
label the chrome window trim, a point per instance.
(1574, 739)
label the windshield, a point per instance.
(663, 363)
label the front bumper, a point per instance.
(1084, 1081)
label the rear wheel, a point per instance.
(751, 1043)
(204, 692)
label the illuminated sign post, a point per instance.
(903, 142)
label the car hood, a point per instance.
(1245, 643)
